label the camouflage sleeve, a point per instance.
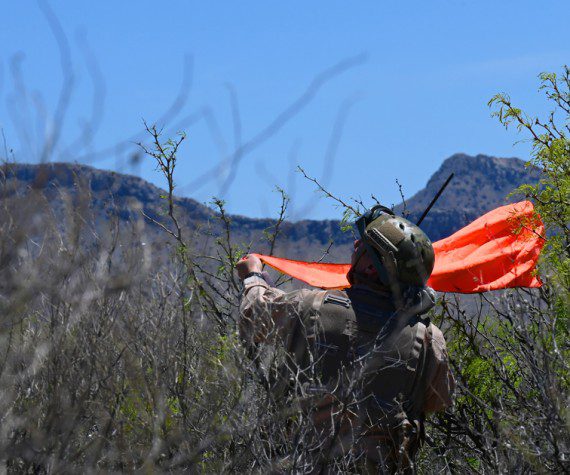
(268, 312)
(441, 383)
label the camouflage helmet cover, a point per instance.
(401, 246)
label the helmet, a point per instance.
(400, 250)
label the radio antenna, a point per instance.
(435, 198)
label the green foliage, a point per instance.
(551, 195)
(511, 352)
(551, 154)
(347, 220)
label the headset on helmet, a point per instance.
(400, 251)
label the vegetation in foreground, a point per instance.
(109, 363)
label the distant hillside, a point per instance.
(480, 184)
(114, 194)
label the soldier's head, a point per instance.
(391, 250)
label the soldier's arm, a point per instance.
(266, 312)
(441, 383)
(256, 309)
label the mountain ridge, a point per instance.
(481, 183)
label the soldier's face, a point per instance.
(360, 259)
(357, 244)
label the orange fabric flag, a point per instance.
(499, 250)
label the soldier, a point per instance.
(366, 362)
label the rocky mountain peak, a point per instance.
(480, 183)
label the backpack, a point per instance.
(364, 354)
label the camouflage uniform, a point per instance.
(291, 320)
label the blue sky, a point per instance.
(416, 92)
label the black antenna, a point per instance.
(435, 199)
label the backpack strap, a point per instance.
(298, 344)
(416, 359)
(421, 383)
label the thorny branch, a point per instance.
(328, 194)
